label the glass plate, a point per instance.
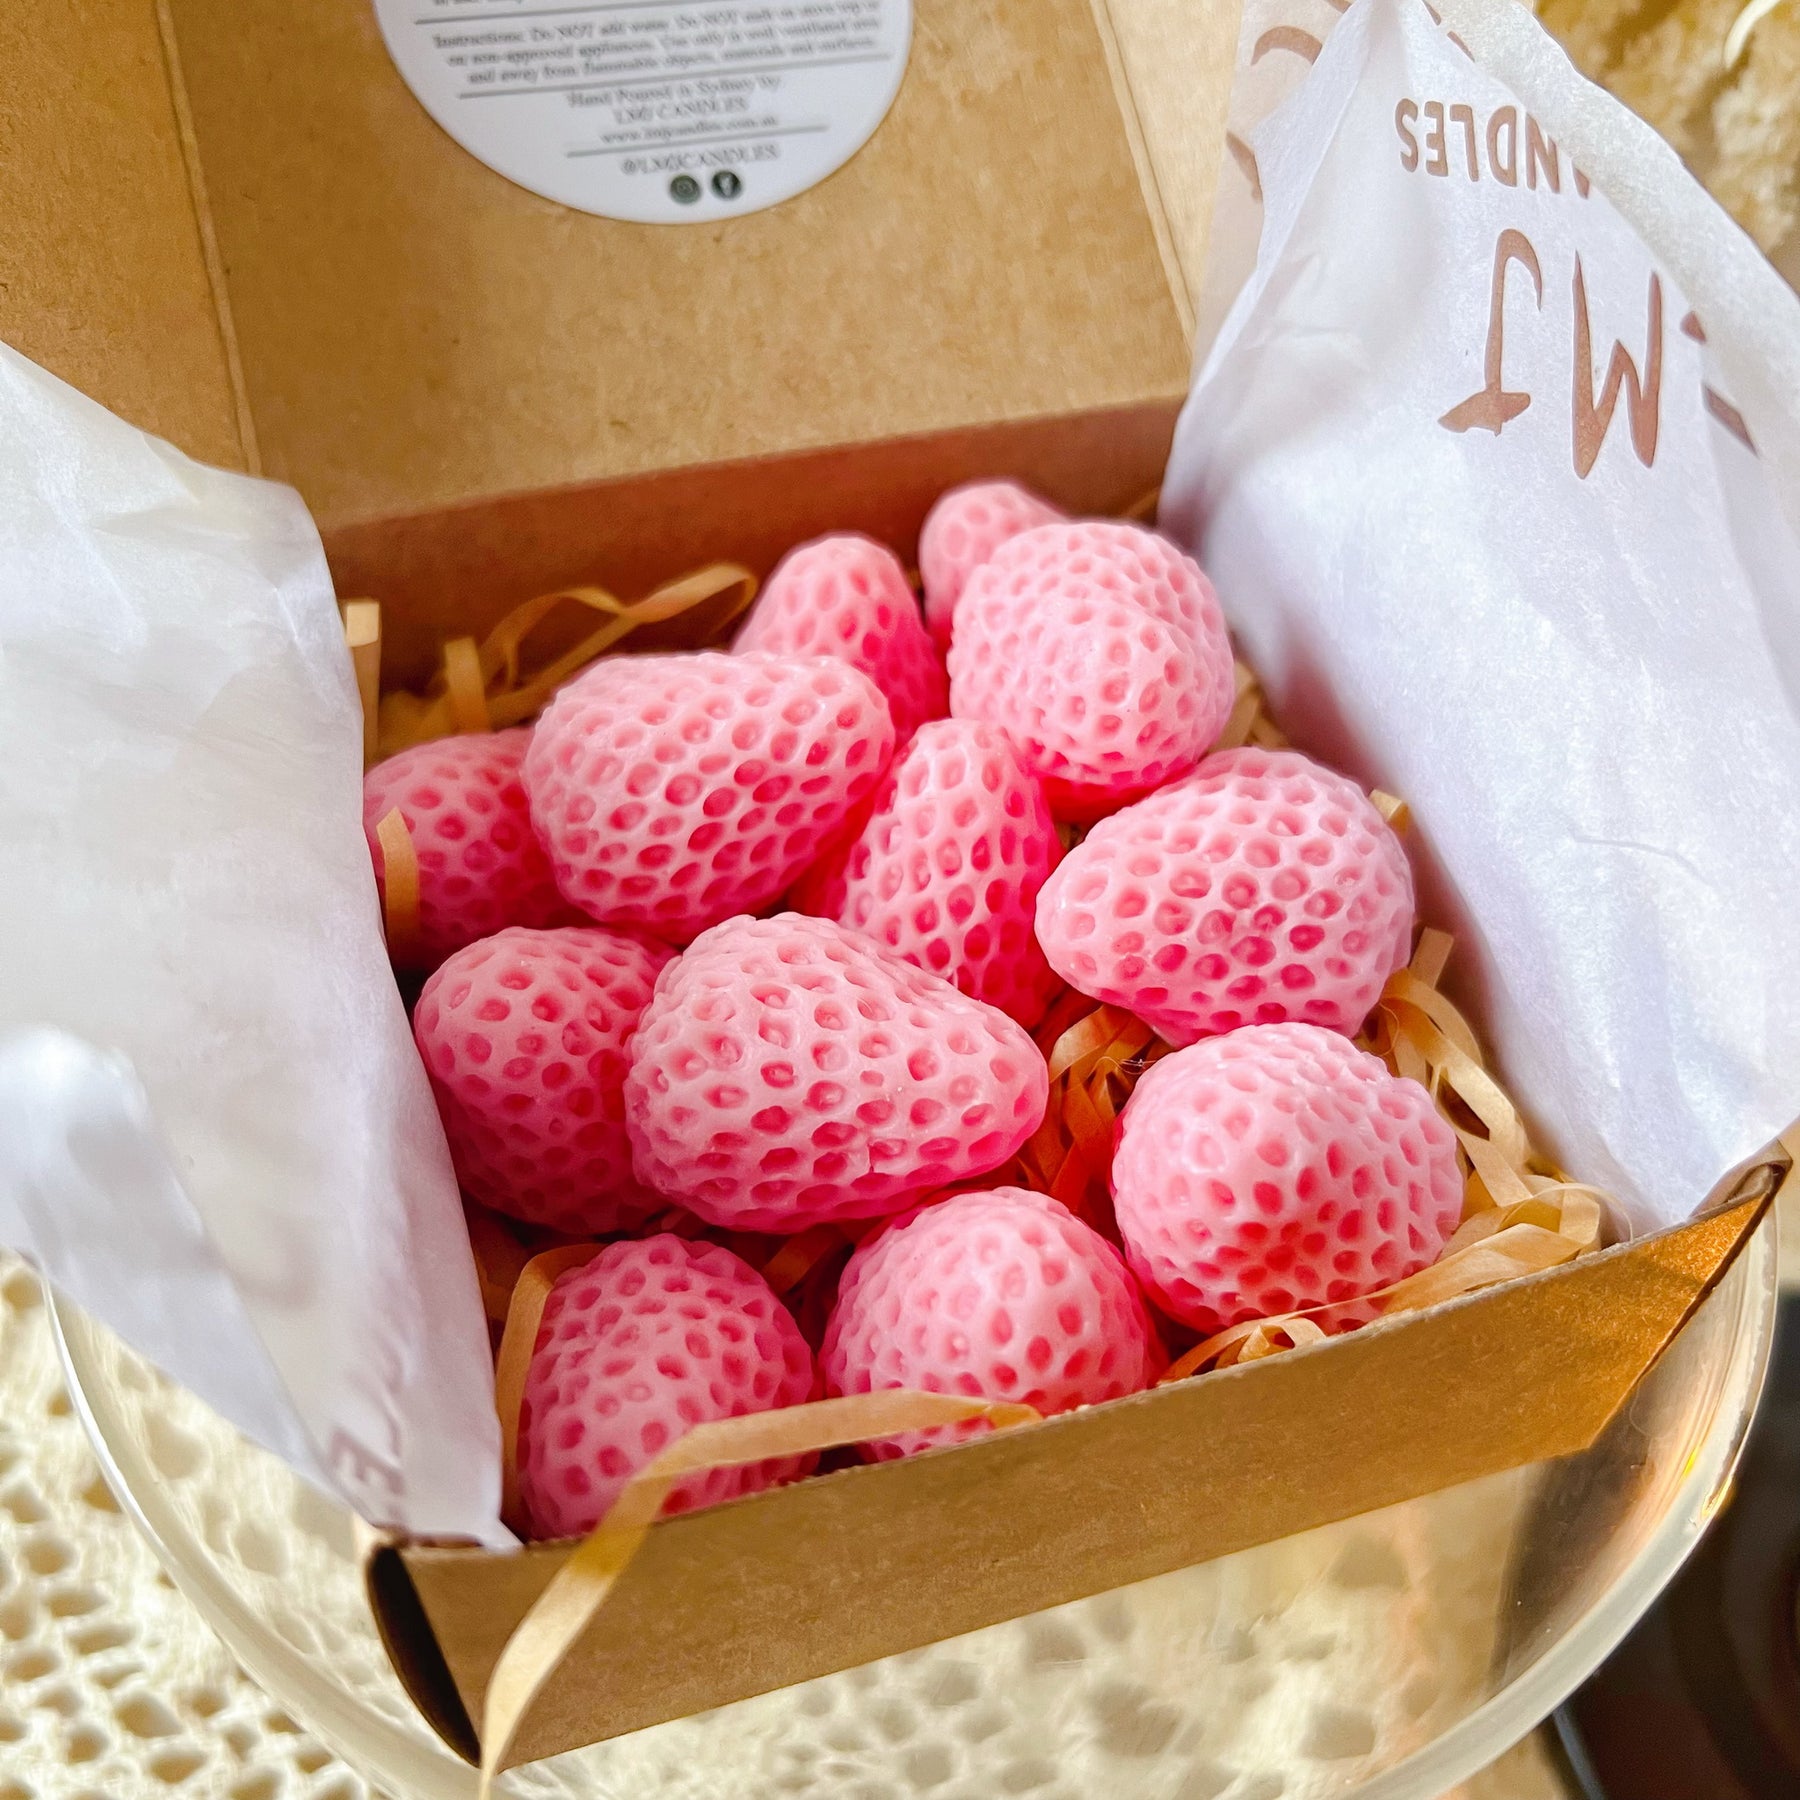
(1389, 1656)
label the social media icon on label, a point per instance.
(685, 189)
(726, 184)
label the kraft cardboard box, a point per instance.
(237, 228)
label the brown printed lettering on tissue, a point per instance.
(1491, 405)
(1504, 169)
(1448, 126)
(1728, 416)
(1643, 396)
(1245, 158)
(1405, 113)
(1716, 403)
(1464, 115)
(1430, 134)
(1436, 161)
(1541, 153)
(1290, 38)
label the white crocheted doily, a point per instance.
(111, 1688)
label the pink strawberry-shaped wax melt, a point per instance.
(481, 867)
(999, 1295)
(847, 596)
(790, 1071)
(963, 529)
(524, 1035)
(1101, 652)
(634, 1349)
(1279, 1168)
(947, 868)
(1261, 888)
(676, 791)
(1113, 556)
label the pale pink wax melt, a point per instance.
(675, 791)
(634, 1349)
(524, 1035)
(1263, 887)
(847, 596)
(1101, 651)
(1002, 1295)
(963, 529)
(481, 867)
(947, 868)
(1279, 1168)
(791, 1071)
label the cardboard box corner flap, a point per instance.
(856, 1562)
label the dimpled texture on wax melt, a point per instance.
(1100, 652)
(1116, 557)
(790, 1071)
(1262, 888)
(1277, 1168)
(635, 1349)
(948, 867)
(481, 867)
(675, 791)
(524, 1035)
(1001, 1295)
(848, 596)
(963, 529)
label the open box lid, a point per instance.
(240, 230)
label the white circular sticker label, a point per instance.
(660, 111)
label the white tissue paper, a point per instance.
(1497, 514)
(215, 1134)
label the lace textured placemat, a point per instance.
(111, 1687)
